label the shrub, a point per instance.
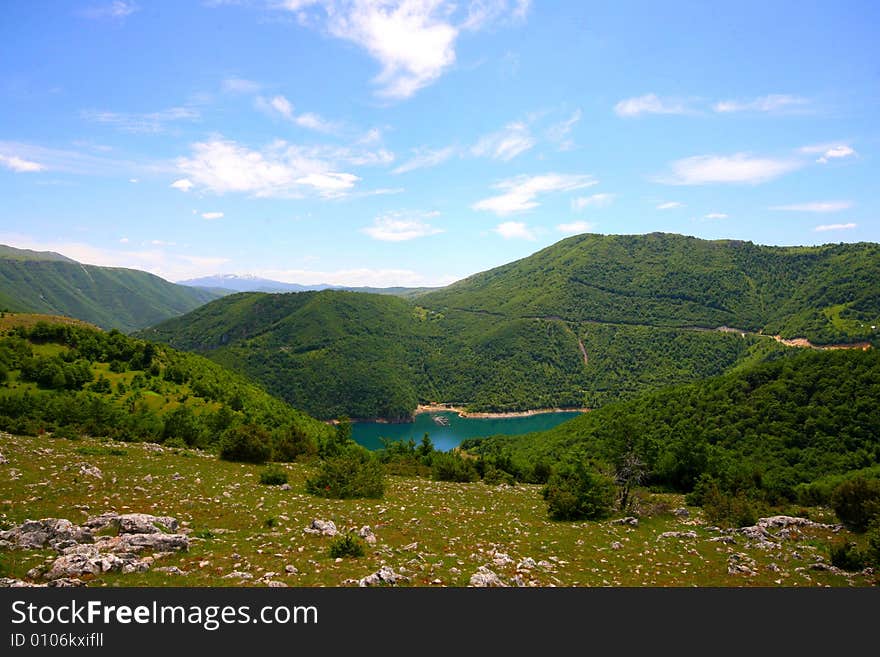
(872, 552)
(451, 466)
(354, 473)
(246, 443)
(346, 545)
(495, 477)
(857, 503)
(847, 556)
(575, 493)
(292, 443)
(273, 476)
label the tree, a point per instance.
(247, 443)
(576, 493)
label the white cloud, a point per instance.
(816, 206)
(183, 184)
(575, 227)
(826, 227)
(76, 162)
(240, 86)
(669, 205)
(594, 201)
(771, 103)
(649, 104)
(519, 193)
(148, 122)
(133, 181)
(20, 165)
(425, 158)
(740, 168)
(315, 122)
(212, 215)
(118, 10)
(413, 40)
(514, 230)
(279, 170)
(123, 240)
(281, 106)
(505, 144)
(401, 226)
(829, 152)
(715, 215)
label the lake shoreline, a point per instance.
(461, 412)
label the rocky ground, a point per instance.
(110, 514)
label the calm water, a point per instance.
(445, 438)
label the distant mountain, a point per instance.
(249, 283)
(589, 320)
(109, 297)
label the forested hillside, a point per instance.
(109, 297)
(75, 378)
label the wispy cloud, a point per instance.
(514, 230)
(593, 201)
(714, 216)
(413, 40)
(560, 132)
(669, 205)
(20, 165)
(281, 107)
(816, 206)
(363, 277)
(740, 168)
(519, 193)
(505, 144)
(575, 227)
(828, 152)
(241, 86)
(183, 184)
(424, 158)
(116, 10)
(149, 122)
(650, 104)
(24, 155)
(826, 227)
(402, 226)
(770, 104)
(212, 215)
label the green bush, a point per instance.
(346, 545)
(451, 466)
(872, 553)
(847, 556)
(575, 493)
(857, 503)
(273, 476)
(292, 443)
(495, 477)
(354, 473)
(246, 443)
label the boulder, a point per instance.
(49, 532)
(617, 545)
(681, 512)
(485, 578)
(690, 534)
(384, 576)
(90, 470)
(501, 559)
(367, 534)
(155, 542)
(629, 520)
(132, 523)
(321, 528)
(526, 564)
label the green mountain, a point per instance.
(589, 320)
(109, 297)
(75, 377)
(772, 429)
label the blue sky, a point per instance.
(414, 142)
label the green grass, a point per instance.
(433, 530)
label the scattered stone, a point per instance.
(690, 534)
(274, 583)
(154, 542)
(171, 570)
(740, 564)
(367, 534)
(617, 545)
(629, 520)
(176, 477)
(238, 574)
(148, 479)
(3, 460)
(322, 528)
(730, 540)
(285, 487)
(290, 569)
(385, 575)
(485, 578)
(681, 512)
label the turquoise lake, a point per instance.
(445, 438)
